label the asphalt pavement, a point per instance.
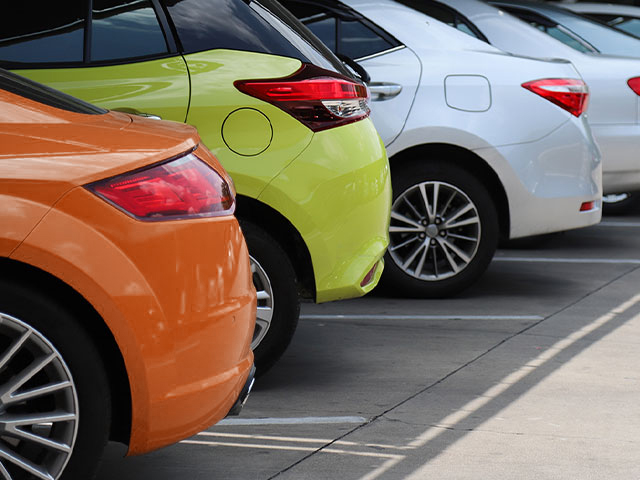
(530, 374)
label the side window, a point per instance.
(324, 27)
(125, 29)
(357, 40)
(42, 32)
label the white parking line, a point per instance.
(417, 316)
(291, 421)
(613, 261)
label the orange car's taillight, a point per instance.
(182, 188)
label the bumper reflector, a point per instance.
(369, 276)
(586, 206)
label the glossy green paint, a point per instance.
(214, 97)
(333, 186)
(338, 195)
(155, 87)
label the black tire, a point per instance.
(621, 204)
(414, 268)
(274, 276)
(52, 325)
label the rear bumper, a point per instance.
(244, 394)
(177, 297)
(337, 194)
(548, 181)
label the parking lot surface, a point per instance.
(531, 373)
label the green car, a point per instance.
(285, 117)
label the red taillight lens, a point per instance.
(568, 93)
(182, 188)
(318, 98)
(634, 83)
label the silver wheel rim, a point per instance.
(265, 302)
(615, 197)
(435, 231)
(38, 404)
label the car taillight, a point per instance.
(182, 188)
(634, 83)
(320, 99)
(569, 93)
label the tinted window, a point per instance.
(263, 27)
(551, 28)
(357, 41)
(444, 14)
(43, 94)
(42, 32)
(325, 28)
(626, 24)
(125, 29)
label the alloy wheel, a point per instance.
(435, 231)
(38, 404)
(265, 302)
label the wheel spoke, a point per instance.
(397, 216)
(415, 211)
(458, 214)
(37, 392)
(25, 464)
(421, 261)
(456, 250)
(436, 193)
(452, 263)
(23, 377)
(462, 223)
(4, 473)
(462, 237)
(404, 244)
(414, 254)
(425, 201)
(263, 295)
(15, 347)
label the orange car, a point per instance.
(126, 302)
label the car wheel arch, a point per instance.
(286, 234)
(467, 160)
(47, 284)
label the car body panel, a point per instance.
(336, 206)
(153, 87)
(166, 308)
(524, 147)
(613, 111)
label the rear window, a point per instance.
(43, 94)
(48, 35)
(247, 25)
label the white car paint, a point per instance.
(458, 91)
(614, 109)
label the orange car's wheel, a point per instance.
(278, 301)
(54, 395)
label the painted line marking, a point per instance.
(291, 421)
(620, 261)
(376, 316)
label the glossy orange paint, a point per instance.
(176, 295)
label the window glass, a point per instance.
(444, 14)
(324, 29)
(125, 29)
(626, 24)
(42, 32)
(357, 40)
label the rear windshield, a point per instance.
(257, 26)
(43, 94)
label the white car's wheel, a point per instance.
(443, 230)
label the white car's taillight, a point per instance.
(568, 93)
(182, 188)
(320, 99)
(634, 83)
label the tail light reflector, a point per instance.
(587, 206)
(634, 83)
(182, 188)
(568, 93)
(320, 99)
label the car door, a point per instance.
(394, 70)
(119, 58)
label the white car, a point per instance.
(481, 144)
(621, 17)
(614, 81)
